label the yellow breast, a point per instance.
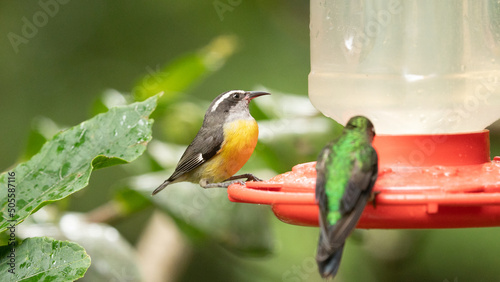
(240, 139)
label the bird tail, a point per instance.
(161, 187)
(328, 258)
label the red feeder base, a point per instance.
(425, 181)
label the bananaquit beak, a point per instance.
(255, 94)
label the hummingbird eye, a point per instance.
(236, 96)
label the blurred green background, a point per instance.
(86, 48)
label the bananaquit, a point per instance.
(225, 142)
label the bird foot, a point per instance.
(248, 176)
(231, 180)
(224, 184)
(373, 198)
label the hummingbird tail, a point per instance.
(161, 187)
(328, 260)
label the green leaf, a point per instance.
(44, 259)
(110, 98)
(64, 164)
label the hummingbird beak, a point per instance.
(255, 94)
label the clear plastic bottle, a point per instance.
(411, 66)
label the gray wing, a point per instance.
(332, 237)
(357, 193)
(321, 199)
(320, 193)
(362, 179)
(204, 146)
(328, 255)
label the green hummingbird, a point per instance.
(346, 171)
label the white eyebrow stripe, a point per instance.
(225, 96)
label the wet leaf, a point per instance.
(44, 259)
(64, 164)
(108, 99)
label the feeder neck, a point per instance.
(433, 149)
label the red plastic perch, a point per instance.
(425, 181)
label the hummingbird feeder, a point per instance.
(427, 74)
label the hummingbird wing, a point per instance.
(325, 247)
(363, 176)
(327, 257)
(204, 146)
(329, 253)
(320, 192)
(332, 237)
(328, 262)
(357, 193)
